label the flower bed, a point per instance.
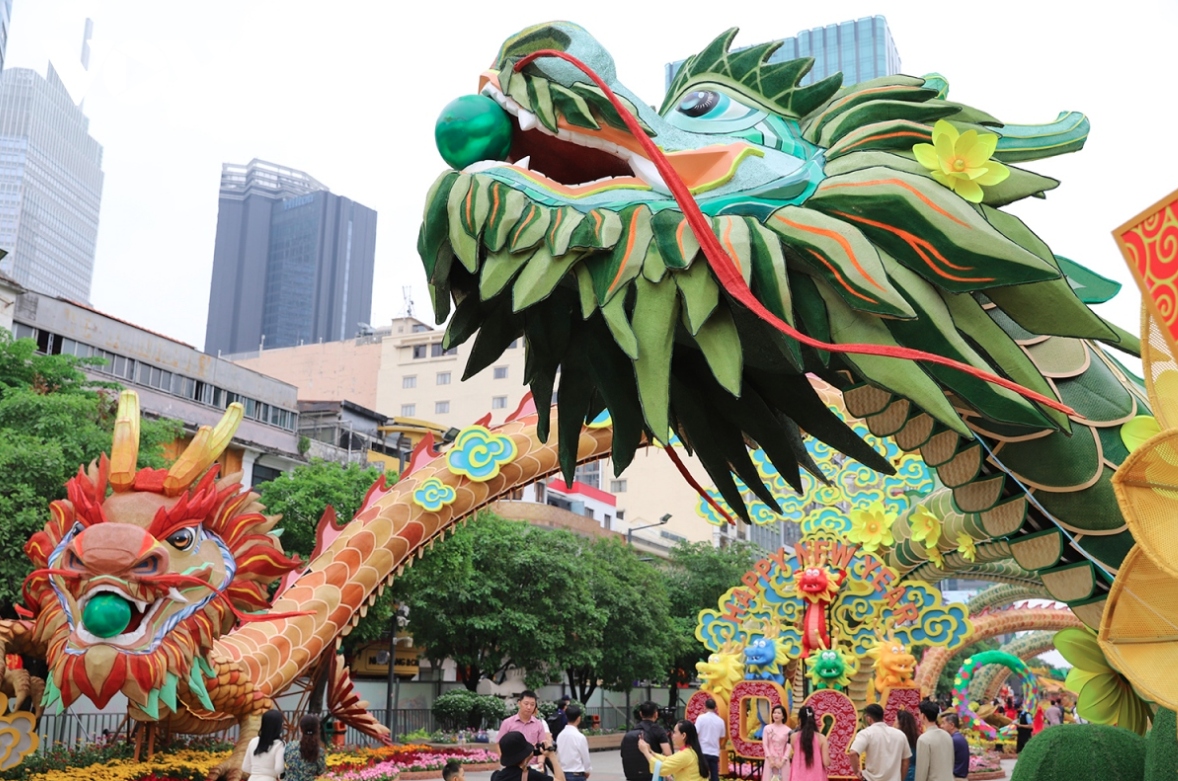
(985, 766)
(404, 762)
(112, 762)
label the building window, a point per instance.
(617, 486)
(501, 372)
(408, 410)
(443, 378)
(436, 351)
(409, 381)
(419, 350)
(498, 402)
(441, 407)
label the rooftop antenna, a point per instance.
(407, 292)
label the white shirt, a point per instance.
(710, 728)
(885, 748)
(268, 766)
(572, 750)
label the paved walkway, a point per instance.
(607, 766)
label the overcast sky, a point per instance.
(348, 92)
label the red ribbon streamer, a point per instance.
(729, 274)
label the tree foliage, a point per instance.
(502, 593)
(637, 640)
(697, 577)
(53, 419)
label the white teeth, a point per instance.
(643, 168)
(141, 604)
(523, 162)
(176, 596)
(646, 171)
(482, 165)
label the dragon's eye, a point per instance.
(699, 103)
(182, 539)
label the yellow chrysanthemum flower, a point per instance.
(961, 161)
(966, 547)
(871, 527)
(934, 555)
(926, 527)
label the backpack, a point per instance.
(556, 723)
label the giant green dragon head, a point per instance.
(867, 214)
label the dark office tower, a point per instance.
(292, 262)
(861, 50)
(50, 185)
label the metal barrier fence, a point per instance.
(72, 729)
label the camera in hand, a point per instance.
(538, 749)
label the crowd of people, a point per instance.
(929, 749)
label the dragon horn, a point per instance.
(205, 448)
(124, 448)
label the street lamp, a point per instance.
(399, 620)
(630, 532)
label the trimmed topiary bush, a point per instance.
(1082, 752)
(1161, 756)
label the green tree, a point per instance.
(501, 593)
(697, 577)
(53, 419)
(302, 496)
(637, 640)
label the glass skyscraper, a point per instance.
(50, 185)
(292, 263)
(5, 20)
(861, 50)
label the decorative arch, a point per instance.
(1005, 594)
(989, 679)
(993, 624)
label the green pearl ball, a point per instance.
(106, 615)
(473, 128)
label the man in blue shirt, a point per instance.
(950, 724)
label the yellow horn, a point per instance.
(205, 448)
(124, 448)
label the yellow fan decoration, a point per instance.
(1139, 631)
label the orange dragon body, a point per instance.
(154, 583)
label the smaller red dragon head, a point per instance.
(815, 584)
(138, 571)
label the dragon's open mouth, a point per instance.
(139, 615)
(580, 162)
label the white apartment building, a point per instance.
(416, 378)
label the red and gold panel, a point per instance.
(1149, 243)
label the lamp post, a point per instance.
(400, 618)
(630, 532)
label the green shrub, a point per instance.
(1082, 752)
(1161, 756)
(463, 709)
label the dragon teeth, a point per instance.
(527, 120)
(646, 171)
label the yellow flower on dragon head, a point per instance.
(871, 528)
(961, 161)
(966, 547)
(926, 527)
(934, 555)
